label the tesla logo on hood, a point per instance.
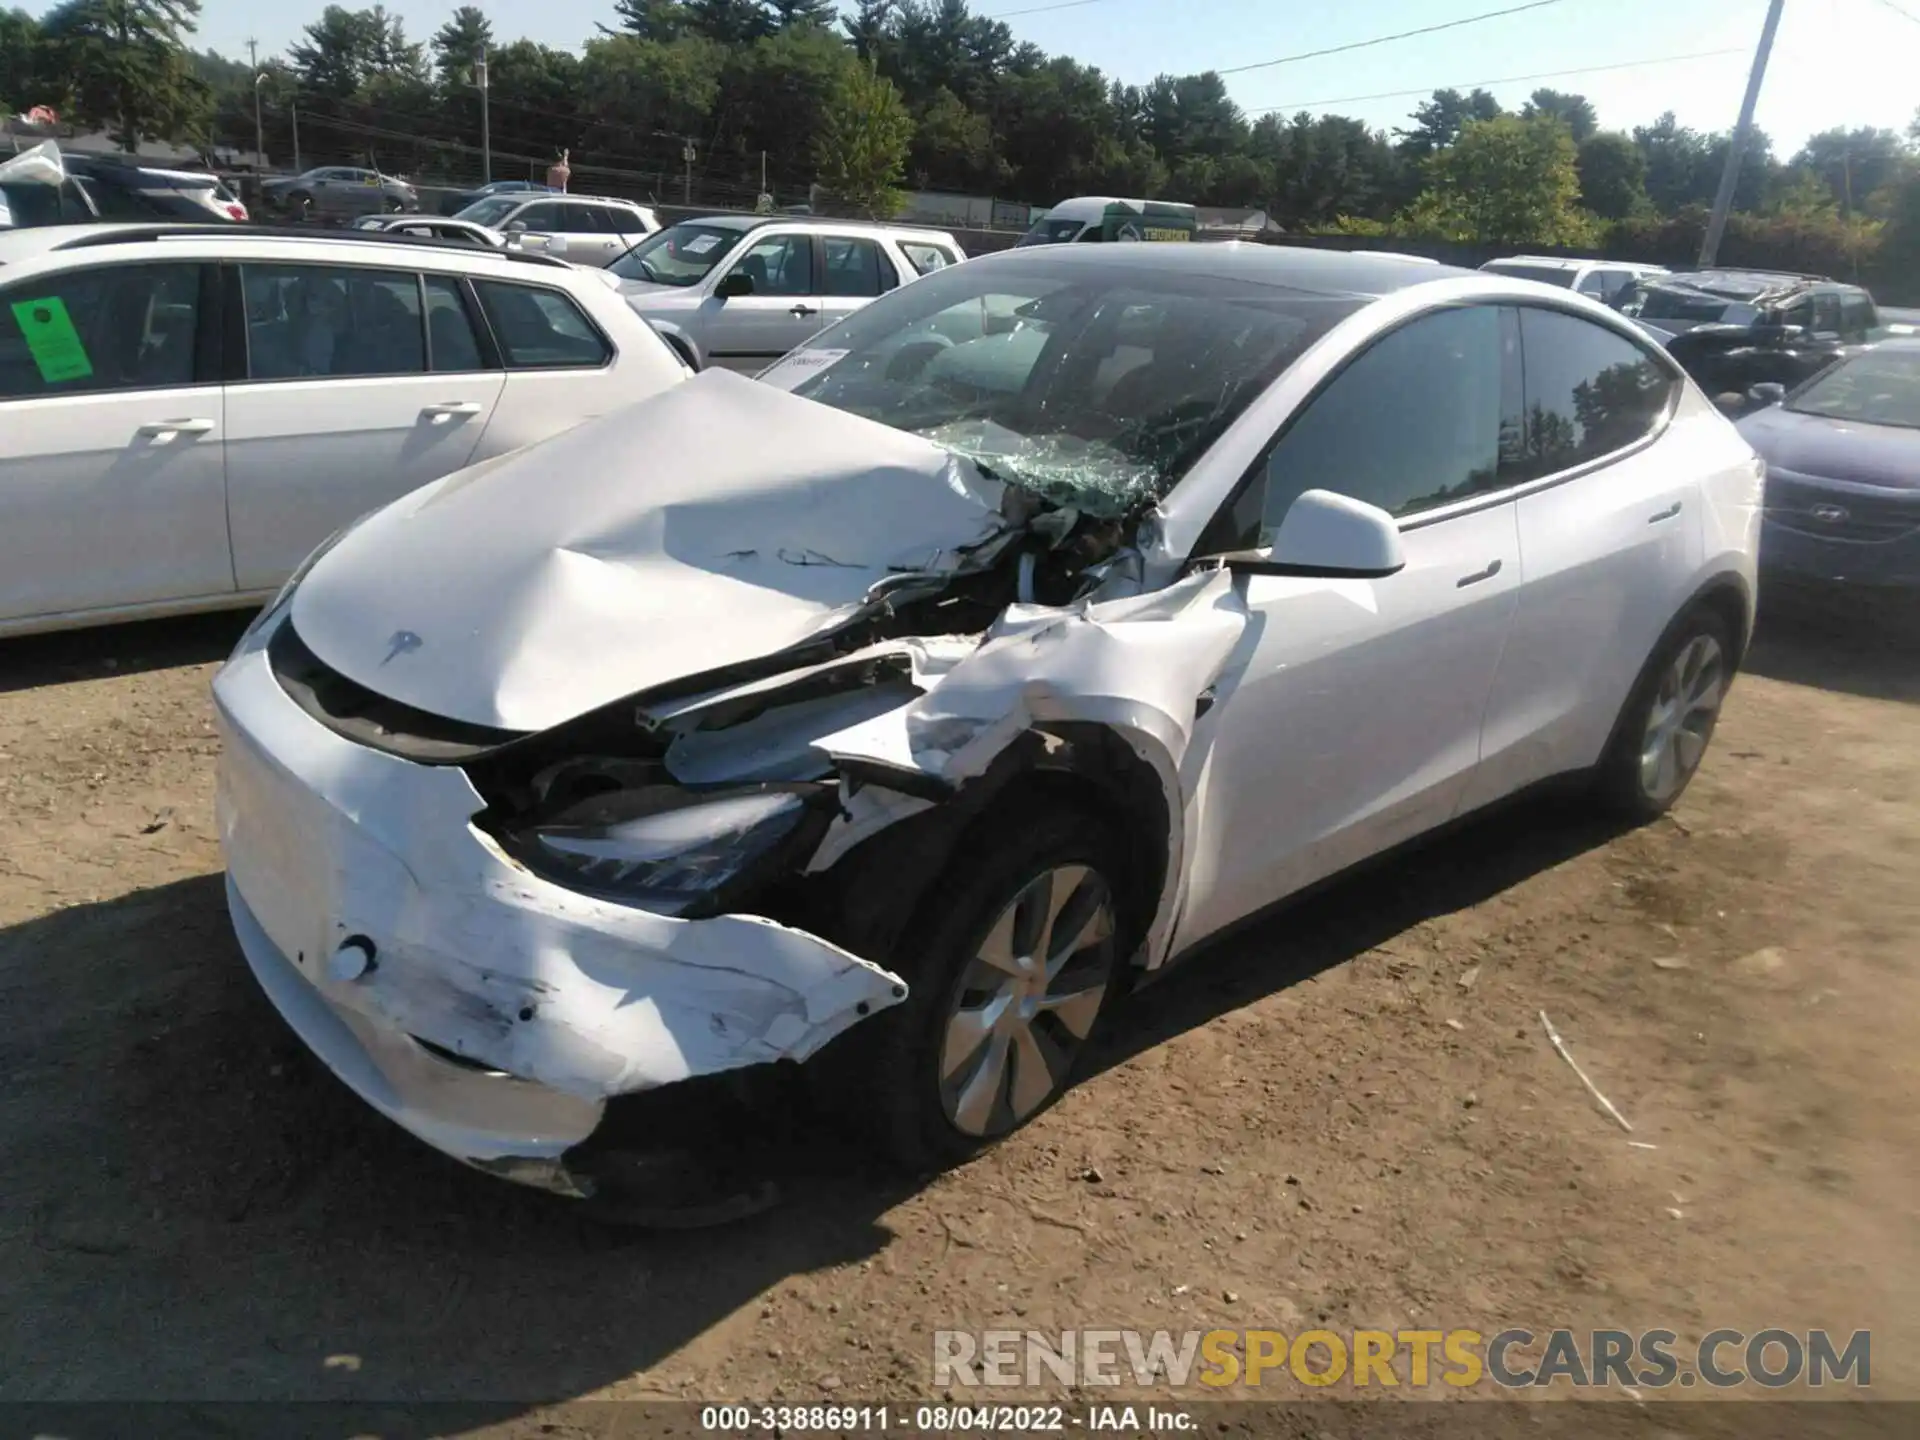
(401, 642)
(1829, 514)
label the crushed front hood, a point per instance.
(715, 522)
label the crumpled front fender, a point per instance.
(346, 855)
(1140, 667)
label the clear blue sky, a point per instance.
(1835, 62)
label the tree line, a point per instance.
(925, 94)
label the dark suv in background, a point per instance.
(104, 187)
(1735, 329)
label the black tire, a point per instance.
(684, 351)
(1621, 783)
(895, 1058)
(301, 204)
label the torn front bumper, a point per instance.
(484, 1009)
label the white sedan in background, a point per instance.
(185, 411)
(895, 711)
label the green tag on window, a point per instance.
(51, 338)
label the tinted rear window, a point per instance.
(1589, 391)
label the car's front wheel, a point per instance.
(1669, 719)
(1010, 967)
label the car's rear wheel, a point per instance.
(1663, 733)
(1010, 967)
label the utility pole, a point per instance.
(293, 109)
(1729, 177)
(259, 130)
(686, 192)
(486, 136)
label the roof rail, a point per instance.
(1754, 270)
(140, 234)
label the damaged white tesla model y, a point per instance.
(1033, 624)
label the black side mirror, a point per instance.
(735, 284)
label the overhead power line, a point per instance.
(1042, 9)
(1900, 10)
(1389, 39)
(1502, 80)
(1310, 54)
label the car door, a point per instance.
(854, 269)
(366, 194)
(333, 193)
(1610, 538)
(586, 231)
(1350, 720)
(111, 434)
(1858, 319)
(542, 220)
(360, 385)
(783, 310)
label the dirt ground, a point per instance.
(1349, 1116)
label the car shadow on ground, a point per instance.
(1866, 648)
(31, 662)
(161, 1129)
(1365, 908)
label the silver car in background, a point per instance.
(583, 229)
(740, 291)
(340, 192)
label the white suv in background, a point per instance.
(740, 291)
(592, 230)
(187, 411)
(1602, 279)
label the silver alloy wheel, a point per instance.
(1027, 1000)
(1681, 718)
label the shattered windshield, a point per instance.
(1093, 385)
